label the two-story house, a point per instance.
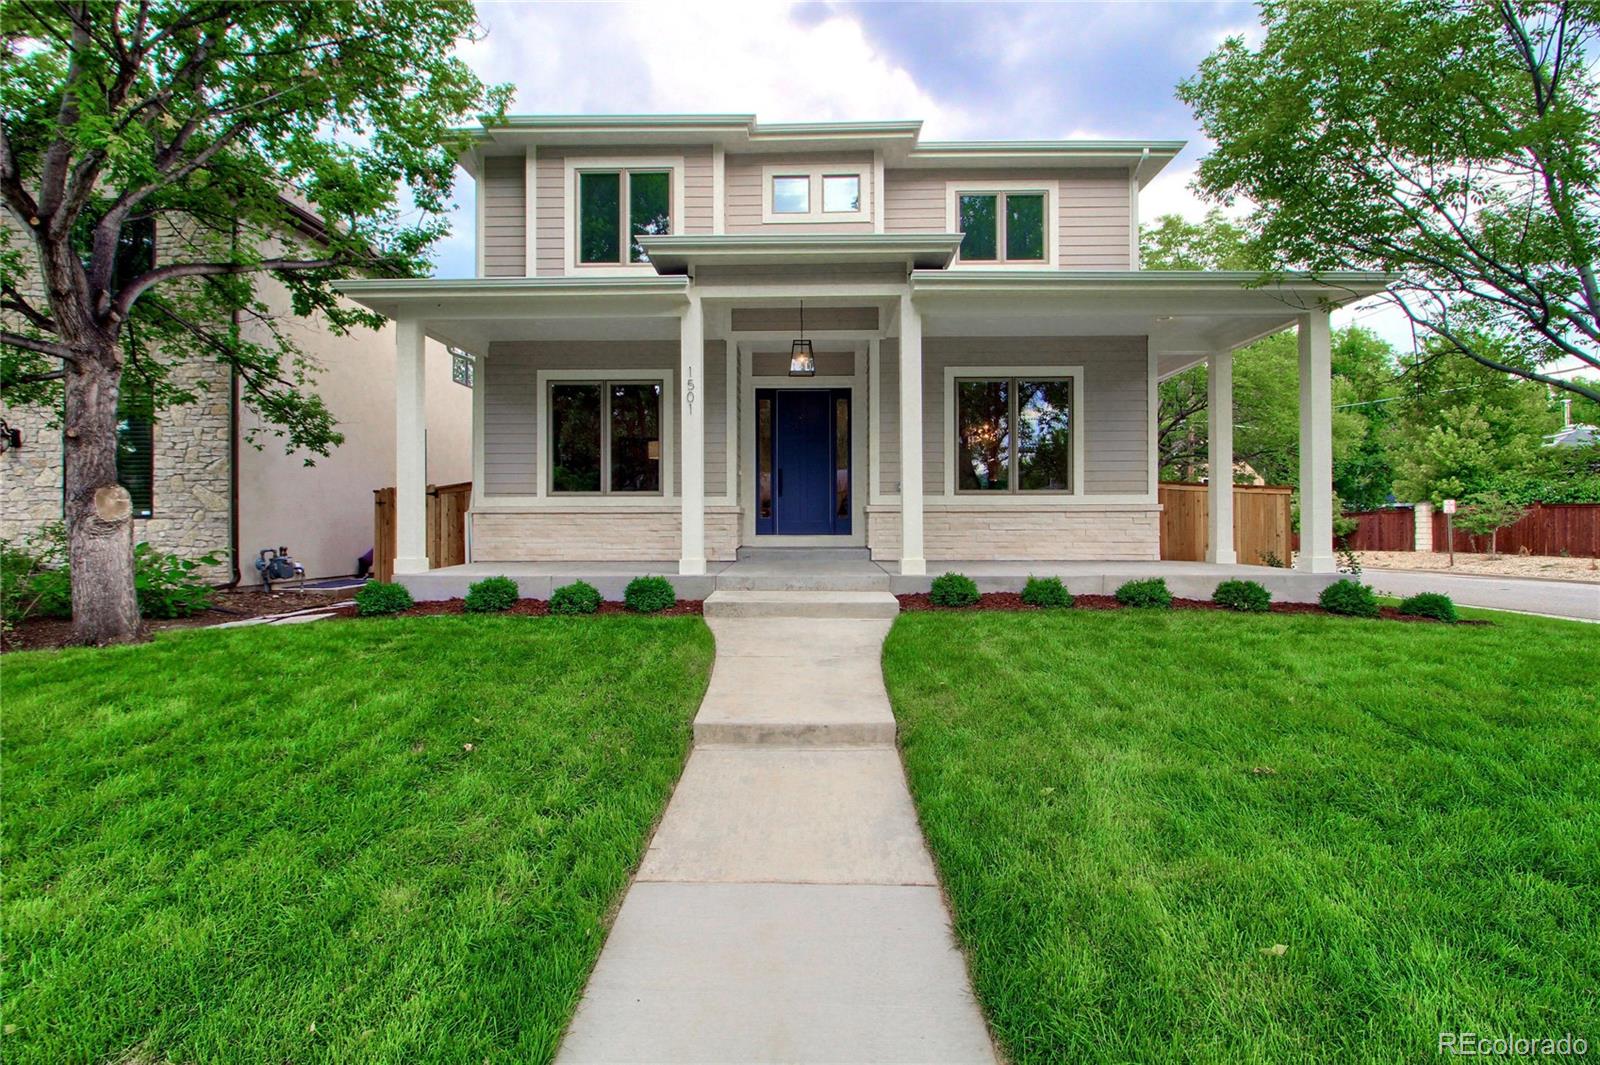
(699, 334)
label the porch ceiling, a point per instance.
(1186, 314)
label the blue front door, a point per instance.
(803, 462)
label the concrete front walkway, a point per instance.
(787, 908)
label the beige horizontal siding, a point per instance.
(1115, 398)
(888, 417)
(504, 211)
(818, 319)
(1093, 212)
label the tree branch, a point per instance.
(133, 290)
(43, 347)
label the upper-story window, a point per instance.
(1004, 225)
(616, 208)
(821, 194)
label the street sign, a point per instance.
(1449, 506)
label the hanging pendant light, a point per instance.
(802, 360)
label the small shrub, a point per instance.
(382, 597)
(648, 595)
(579, 597)
(953, 589)
(491, 595)
(1270, 558)
(1429, 605)
(1147, 593)
(1247, 596)
(166, 584)
(34, 581)
(1046, 592)
(1349, 597)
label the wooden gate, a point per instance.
(1261, 522)
(447, 527)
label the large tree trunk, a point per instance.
(99, 510)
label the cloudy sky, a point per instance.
(979, 71)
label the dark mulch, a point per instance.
(532, 608)
(1013, 601)
(38, 634)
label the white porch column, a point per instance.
(692, 352)
(410, 448)
(1219, 434)
(1316, 446)
(911, 561)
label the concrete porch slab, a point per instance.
(801, 604)
(778, 973)
(783, 815)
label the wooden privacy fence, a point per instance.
(1391, 529)
(447, 527)
(1261, 522)
(1546, 529)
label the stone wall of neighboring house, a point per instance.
(189, 505)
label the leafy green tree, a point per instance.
(1455, 142)
(1487, 515)
(1459, 425)
(298, 143)
(1217, 242)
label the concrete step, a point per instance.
(866, 580)
(736, 603)
(803, 554)
(803, 700)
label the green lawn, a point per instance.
(273, 845)
(1128, 808)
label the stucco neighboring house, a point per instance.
(200, 489)
(700, 335)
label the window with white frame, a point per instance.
(618, 206)
(1003, 225)
(604, 437)
(1014, 434)
(824, 194)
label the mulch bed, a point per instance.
(1013, 601)
(37, 634)
(530, 608)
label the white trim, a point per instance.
(730, 439)
(879, 213)
(814, 175)
(479, 211)
(719, 186)
(1152, 430)
(480, 393)
(692, 361)
(542, 449)
(569, 205)
(530, 213)
(1051, 190)
(857, 384)
(948, 414)
(874, 421)
(912, 383)
(1133, 216)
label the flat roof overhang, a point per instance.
(473, 312)
(898, 141)
(678, 255)
(1187, 314)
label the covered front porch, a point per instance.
(997, 422)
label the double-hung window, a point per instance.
(1003, 226)
(605, 437)
(616, 208)
(1014, 434)
(136, 443)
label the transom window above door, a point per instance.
(1004, 226)
(615, 208)
(823, 194)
